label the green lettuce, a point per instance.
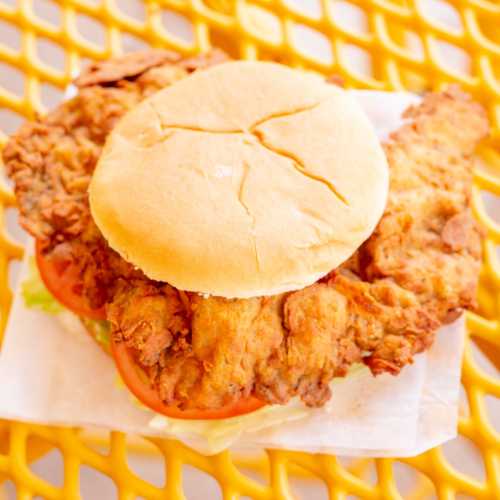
(36, 296)
(100, 329)
(218, 435)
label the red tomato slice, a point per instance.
(61, 279)
(134, 380)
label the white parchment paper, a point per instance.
(50, 375)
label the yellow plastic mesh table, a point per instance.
(403, 44)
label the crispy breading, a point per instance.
(417, 271)
(120, 68)
(52, 159)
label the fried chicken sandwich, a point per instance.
(239, 235)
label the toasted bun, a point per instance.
(245, 179)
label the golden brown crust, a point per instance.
(120, 68)
(51, 159)
(416, 272)
(205, 60)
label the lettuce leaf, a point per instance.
(100, 329)
(214, 436)
(36, 296)
(34, 293)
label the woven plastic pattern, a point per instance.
(406, 44)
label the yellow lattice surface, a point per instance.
(412, 44)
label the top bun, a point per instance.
(245, 179)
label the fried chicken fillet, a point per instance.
(417, 271)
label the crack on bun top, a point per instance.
(245, 179)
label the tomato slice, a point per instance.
(61, 279)
(135, 381)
